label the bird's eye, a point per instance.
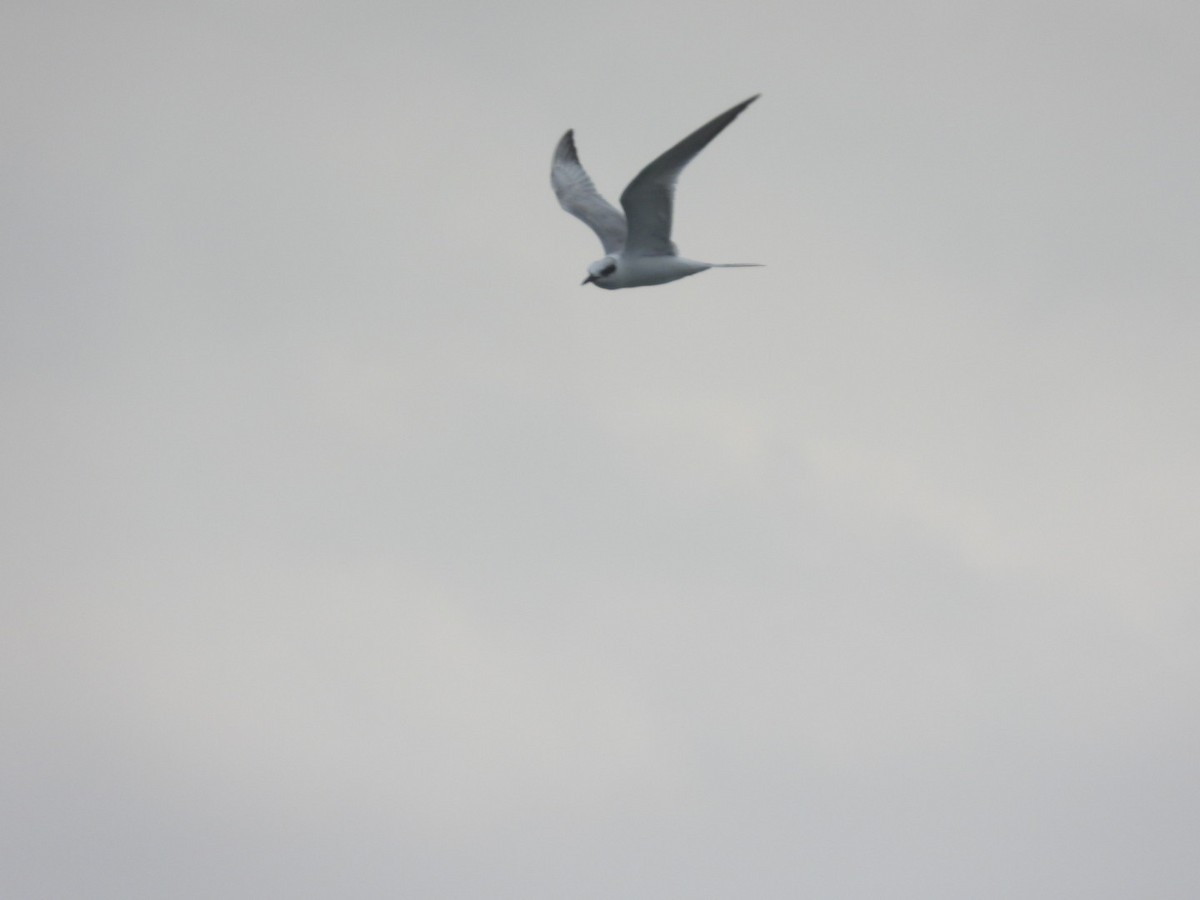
(608, 270)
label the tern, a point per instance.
(637, 245)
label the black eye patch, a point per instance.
(608, 270)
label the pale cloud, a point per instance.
(352, 547)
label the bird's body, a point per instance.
(637, 243)
(641, 271)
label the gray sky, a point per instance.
(351, 549)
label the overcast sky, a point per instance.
(351, 549)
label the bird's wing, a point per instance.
(578, 196)
(649, 199)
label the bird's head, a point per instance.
(600, 270)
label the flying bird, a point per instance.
(637, 244)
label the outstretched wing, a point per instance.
(649, 199)
(578, 196)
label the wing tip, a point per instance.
(565, 150)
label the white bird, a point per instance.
(638, 243)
